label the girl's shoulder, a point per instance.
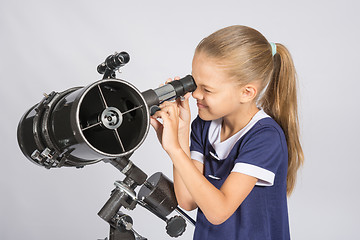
(267, 125)
(266, 132)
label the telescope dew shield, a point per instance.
(80, 126)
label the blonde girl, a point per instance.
(245, 150)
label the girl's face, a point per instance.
(217, 96)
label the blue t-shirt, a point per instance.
(258, 150)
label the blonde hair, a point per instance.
(246, 56)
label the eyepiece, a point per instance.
(184, 85)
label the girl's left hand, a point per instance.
(169, 114)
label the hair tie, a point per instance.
(273, 48)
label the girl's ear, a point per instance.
(248, 93)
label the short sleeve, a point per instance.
(261, 155)
(196, 142)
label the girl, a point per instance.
(245, 149)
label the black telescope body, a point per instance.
(106, 119)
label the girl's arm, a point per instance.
(183, 196)
(217, 204)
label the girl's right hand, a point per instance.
(184, 116)
(184, 112)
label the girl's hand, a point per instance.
(184, 112)
(168, 131)
(184, 117)
(158, 127)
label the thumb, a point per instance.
(155, 123)
(158, 128)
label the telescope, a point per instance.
(106, 121)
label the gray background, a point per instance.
(55, 45)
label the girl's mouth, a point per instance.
(201, 105)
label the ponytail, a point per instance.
(280, 102)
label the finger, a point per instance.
(171, 110)
(174, 106)
(168, 80)
(155, 124)
(177, 78)
(184, 101)
(164, 108)
(164, 116)
(156, 115)
(187, 96)
(166, 104)
(158, 127)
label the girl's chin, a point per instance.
(205, 116)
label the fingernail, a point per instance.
(182, 98)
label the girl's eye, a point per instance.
(206, 90)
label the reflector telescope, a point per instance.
(106, 119)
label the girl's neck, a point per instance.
(233, 123)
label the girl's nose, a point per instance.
(197, 94)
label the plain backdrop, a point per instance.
(55, 45)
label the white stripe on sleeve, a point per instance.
(197, 156)
(264, 176)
